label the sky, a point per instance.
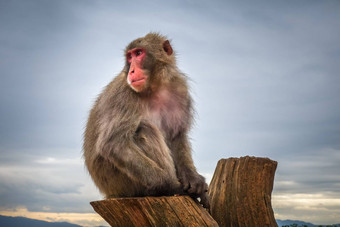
(264, 76)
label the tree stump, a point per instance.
(153, 211)
(240, 192)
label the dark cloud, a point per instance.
(37, 181)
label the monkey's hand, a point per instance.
(194, 184)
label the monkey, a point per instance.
(136, 139)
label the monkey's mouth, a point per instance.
(139, 81)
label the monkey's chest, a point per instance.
(168, 115)
(168, 121)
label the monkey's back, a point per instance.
(109, 180)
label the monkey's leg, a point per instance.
(191, 181)
(151, 142)
(145, 159)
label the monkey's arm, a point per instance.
(187, 174)
(141, 154)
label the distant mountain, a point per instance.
(281, 223)
(26, 222)
(7, 221)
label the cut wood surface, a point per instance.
(153, 211)
(240, 192)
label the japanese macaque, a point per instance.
(136, 140)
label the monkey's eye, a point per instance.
(128, 56)
(138, 52)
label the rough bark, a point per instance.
(153, 211)
(240, 192)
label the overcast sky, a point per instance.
(265, 77)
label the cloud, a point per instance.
(317, 208)
(83, 219)
(60, 184)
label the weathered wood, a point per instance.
(153, 211)
(240, 192)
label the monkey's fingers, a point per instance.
(205, 200)
(202, 188)
(196, 188)
(185, 182)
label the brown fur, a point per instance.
(136, 143)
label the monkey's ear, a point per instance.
(167, 47)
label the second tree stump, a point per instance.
(240, 192)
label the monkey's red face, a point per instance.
(136, 77)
